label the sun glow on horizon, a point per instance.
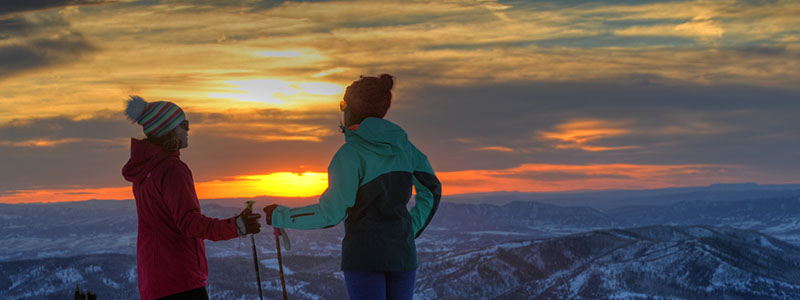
(279, 184)
(524, 178)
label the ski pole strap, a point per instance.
(282, 232)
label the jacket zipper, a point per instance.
(301, 215)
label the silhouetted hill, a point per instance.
(775, 216)
(608, 199)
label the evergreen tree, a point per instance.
(78, 294)
(83, 296)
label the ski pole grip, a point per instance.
(250, 205)
(276, 231)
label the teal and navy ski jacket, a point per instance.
(369, 185)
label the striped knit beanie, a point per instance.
(157, 118)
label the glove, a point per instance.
(247, 222)
(268, 213)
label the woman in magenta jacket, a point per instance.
(170, 254)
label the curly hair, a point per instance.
(169, 141)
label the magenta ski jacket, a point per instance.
(170, 254)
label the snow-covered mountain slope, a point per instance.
(657, 262)
(518, 216)
(779, 217)
(110, 276)
(113, 276)
(59, 229)
(75, 228)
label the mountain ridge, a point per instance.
(603, 265)
(652, 262)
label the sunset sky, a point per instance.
(501, 95)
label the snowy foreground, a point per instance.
(657, 262)
(744, 249)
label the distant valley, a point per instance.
(728, 249)
(655, 262)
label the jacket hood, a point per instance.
(144, 157)
(378, 135)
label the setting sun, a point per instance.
(280, 184)
(287, 184)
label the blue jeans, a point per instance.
(380, 285)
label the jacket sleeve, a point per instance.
(343, 182)
(181, 201)
(429, 193)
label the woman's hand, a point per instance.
(268, 213)
(247, 222)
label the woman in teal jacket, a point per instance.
(369, 184)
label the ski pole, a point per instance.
(255, 255)
(277, 232)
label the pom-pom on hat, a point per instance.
(157, 118)
(370, 96)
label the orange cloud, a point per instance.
(265, 125)
(39, 142)
(579, 134)
(495, 148)
(553, 177)
(700, 26)
(278, 54)
(524, 178)
(68, 194)
(279, 184)
(47, 142)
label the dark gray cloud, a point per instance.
(38, 53)
(14, 6)
(592, 2)
(753, 127)
(85, 152)
(667, 124)
(594, 41)
(206, 5)
(22, 26)
(41, 42)
(91, 152)
(762, 49)
(14, 26)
